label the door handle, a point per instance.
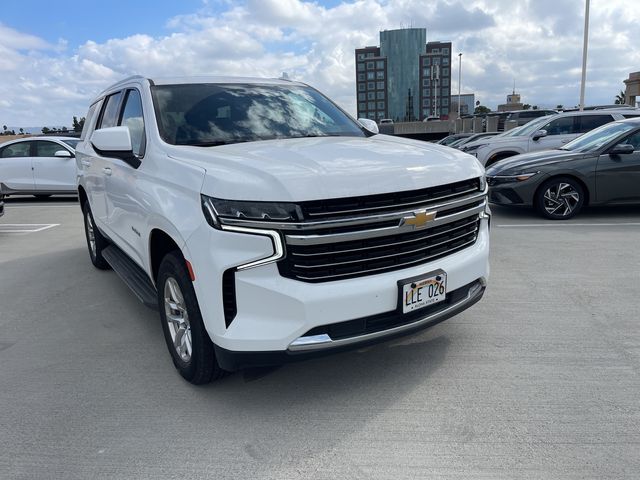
(86, 163)
(106, 171)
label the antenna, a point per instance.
(514, 86)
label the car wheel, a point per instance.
(187, 339)
(560, 198)
(96, 242)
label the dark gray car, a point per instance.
(602, 167)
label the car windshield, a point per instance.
(71, 143)
(219, 114)
(599, 137)
(527, 128)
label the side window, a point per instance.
(109, 116)
(21, 149)
(634, 140)
(560, 126)
(88, 119)
(132, 119)
(47, 149)
(589, 122)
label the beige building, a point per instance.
(513, 103)
(632, 92)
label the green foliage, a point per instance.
(621, 98)
(46, 130)
(78, 124)
(526, 106)
(481, 109)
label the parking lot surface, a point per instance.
(539, 380)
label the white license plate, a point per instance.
(422, 292)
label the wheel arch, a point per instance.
(160, 243)
(82, 196)
(499, 155)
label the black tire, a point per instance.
(201, 367)
(99, 241)
(42, 196)
(550, 197)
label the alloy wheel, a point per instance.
(561, 199)
(91, 236)
(175, 310)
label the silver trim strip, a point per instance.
(302, 344)
(349, 250)
(376, 232)
(278, 248)
(420, 203)
(345, 222)
(374, 258)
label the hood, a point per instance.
(325, 167)
(519, 163)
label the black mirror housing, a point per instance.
(622, 149)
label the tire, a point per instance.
(42, 196)
(187, 339)
(96, 242)
(559, 198)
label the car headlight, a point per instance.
(519, 177)
(216, 208)
(483, 182)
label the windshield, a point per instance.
(71, 143)
(528, 128)
(219, 114)
(599, 137)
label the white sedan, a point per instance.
(39, 166)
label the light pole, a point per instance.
(459, 81)
(584, 53)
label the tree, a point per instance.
(78, 124)
(481, 109)
(559, 107)
(535, 107)
(4, 127)
(46, 130)
(65, 129)
(21, 131)
(526, 106)
(621, 98)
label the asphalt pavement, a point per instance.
(540, 380)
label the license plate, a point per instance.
(421, 292)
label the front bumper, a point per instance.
(313, 346)
(272, 311)
(515, 193)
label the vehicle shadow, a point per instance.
(30, 199)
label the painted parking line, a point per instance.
(26, 227)
(563, 224)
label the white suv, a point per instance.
(266, 225)
(544, 133)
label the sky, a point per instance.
(55, 57)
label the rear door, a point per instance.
(51, 173)
(16, 170)
(618, 176)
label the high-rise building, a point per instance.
(405, 78)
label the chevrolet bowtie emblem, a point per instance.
(419, 220)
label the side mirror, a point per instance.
(540, 134)
(115, 142)
(63, 154)
(622, 149)
(369, 124)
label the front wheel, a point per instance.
(187, 339)
(95, 241)
(560, 198)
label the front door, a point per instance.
(618, 176)
(51, 173)
(16, 171)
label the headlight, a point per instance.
(520, 177)
(215, 208)
(483, 182)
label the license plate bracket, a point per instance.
(422, 291)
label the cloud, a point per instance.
(536, 42)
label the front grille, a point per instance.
(342, 260)
(370, 204)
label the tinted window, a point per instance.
(634, 140)
(47, 149)
(560, 126)
(21, 149)
(110, 111)
(589, 122)
(133, 120)
(88, 120)
(214, 114)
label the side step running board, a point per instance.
(135, 278)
